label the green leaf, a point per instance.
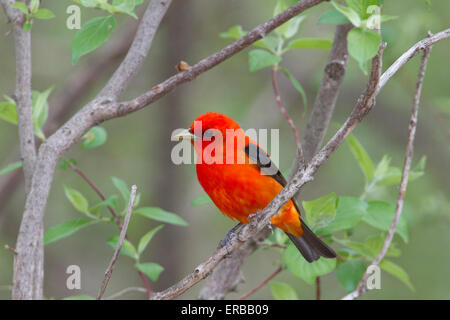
(362, 157)
(44, 14)
(91, 35)
(311, 43)
(8, 112)
(234, 32)
(77, 200)
(95, 137)
(349, 212)
(21, 6)
(305, 270)
(259, 59)
(332, 16)
(127, 249)
(159, 214)
(201, 200)
(381, 214)
(349, 273)
(145, 240)
(297, 86)
(122, 187)
(321, 211)
(397, 271)
(150, 269)
(10, 167)
(349, 13)
(282, 291)
(363, 45)
(66, 229)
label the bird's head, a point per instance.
(208, 128)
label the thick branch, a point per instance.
(361, 288)
(155, 12)
(66, 100)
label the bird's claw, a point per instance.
(228, 237)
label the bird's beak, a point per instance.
(184, 134)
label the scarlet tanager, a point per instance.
(239, 189)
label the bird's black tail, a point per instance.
(310, 246)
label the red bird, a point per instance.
(238, 188)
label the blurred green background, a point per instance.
(139, 146)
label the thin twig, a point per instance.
(284, 111)
(361, 288)
(123, 232)
(262, 284)
(125, 291)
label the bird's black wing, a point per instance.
(309, 245)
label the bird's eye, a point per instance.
(208, 133)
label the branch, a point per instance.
(361, 288)
(228, 275)
(140, 47)
(123, 232)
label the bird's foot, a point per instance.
(229, 236)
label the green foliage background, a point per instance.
(138, 146)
